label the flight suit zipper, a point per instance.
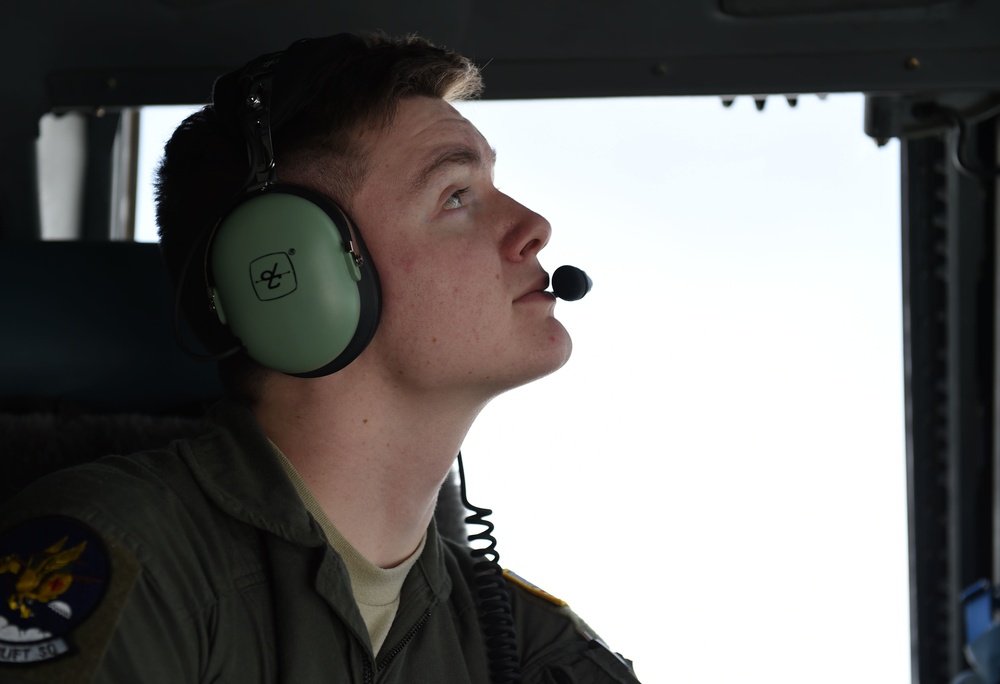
(370, 672)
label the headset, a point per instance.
(286, 269)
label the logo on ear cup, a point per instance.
(273, 276)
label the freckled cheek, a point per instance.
(433, 306)
(436, 274)
(435, 280)
(411, 294)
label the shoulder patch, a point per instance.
(519, 581)
(53, 573)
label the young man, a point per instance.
(295, 542)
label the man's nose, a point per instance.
(527, 234)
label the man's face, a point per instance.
(463, 307)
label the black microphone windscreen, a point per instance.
(570, 283)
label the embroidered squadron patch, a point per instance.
(53, 573)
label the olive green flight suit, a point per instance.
(217, 573)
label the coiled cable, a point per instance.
(495, 614)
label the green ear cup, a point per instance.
(286, 285)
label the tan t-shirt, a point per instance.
(375, 589)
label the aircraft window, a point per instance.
(60, 188)
(724, 453)
(62, 159)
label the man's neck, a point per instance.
(374, 464)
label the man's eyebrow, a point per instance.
(457, 156)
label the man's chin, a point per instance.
(559, 348)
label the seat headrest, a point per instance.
(90, 323)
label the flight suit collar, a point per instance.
(238, 469)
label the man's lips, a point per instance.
(536, 296)
(537, 290)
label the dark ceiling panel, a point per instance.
(152, 44)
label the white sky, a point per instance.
(716, 480)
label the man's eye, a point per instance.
(455, 201)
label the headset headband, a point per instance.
(285, 268)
